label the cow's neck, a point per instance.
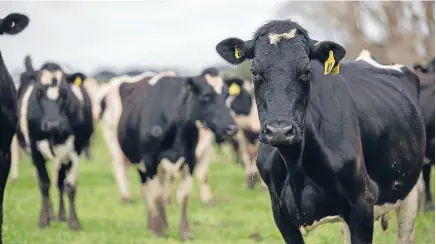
(187, 107)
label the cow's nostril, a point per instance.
(269, 130)
(289, 131)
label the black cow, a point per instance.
(12, 24)
(427, 103)
(337, 143)
(55, 123)
(157, 133)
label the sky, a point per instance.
(93, 34)
(119, 35)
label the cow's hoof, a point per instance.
(211, 203)
(43, 224)
(74, 225)
(61, 217)
(126, 200)
(384, 223)
(186, 235)
(14, 180)
(429, 207)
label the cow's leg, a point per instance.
(5, 165)
(406, 215)
(201, 172)
(152, 192)
(426, 169)
(62, 173)
(44, 186)
(15, 158)
(70, 188)
(183, 193)
(289, 232)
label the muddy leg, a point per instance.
(61, 187)
(183, 193)
(201, 172)
(70, 188)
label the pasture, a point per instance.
(240, 216)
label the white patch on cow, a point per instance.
(216, 82)
(77, 92)
(365, 55)
(46, 77)
(23, 114)
(329, 219)
(250, 122)
(43, 147)
(169, 171)
(63, 151)
(345, 231)
(229, 101)
(203, 153)
(74, 170)
(172, 168)
(244, 147)
(53, 92)
(15, 157)
(159, 76)
(276, 38)
(140, 167)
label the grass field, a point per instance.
(241, 216)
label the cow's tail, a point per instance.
(28, 63)
(102, 107)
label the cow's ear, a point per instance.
(235, 51)
(419, 68)
(76, 79)
(329, 54)
(13, 24)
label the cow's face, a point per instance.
(209, 105)
(239, 99)
(13, 24)
(281, 54)
(56, 100)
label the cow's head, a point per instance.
(282, 57)
(13, 24)
(58, 105)
(239, 99)
(209, 103)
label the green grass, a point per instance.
(239, 213)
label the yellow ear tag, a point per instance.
(328, 65)
(234, 89)
(335, 70)
(237, 54)
(78, 81)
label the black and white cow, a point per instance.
(55, 123)
(346, 145)
(11, 24)
(427, 103)
(156, 130)
(244, 111)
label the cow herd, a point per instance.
(332, 140)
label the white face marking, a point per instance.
(276, 38)
(216, 82)
(53, 92)
(365, 55)
(46, 77)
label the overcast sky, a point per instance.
(87, 35)
(93, 34)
